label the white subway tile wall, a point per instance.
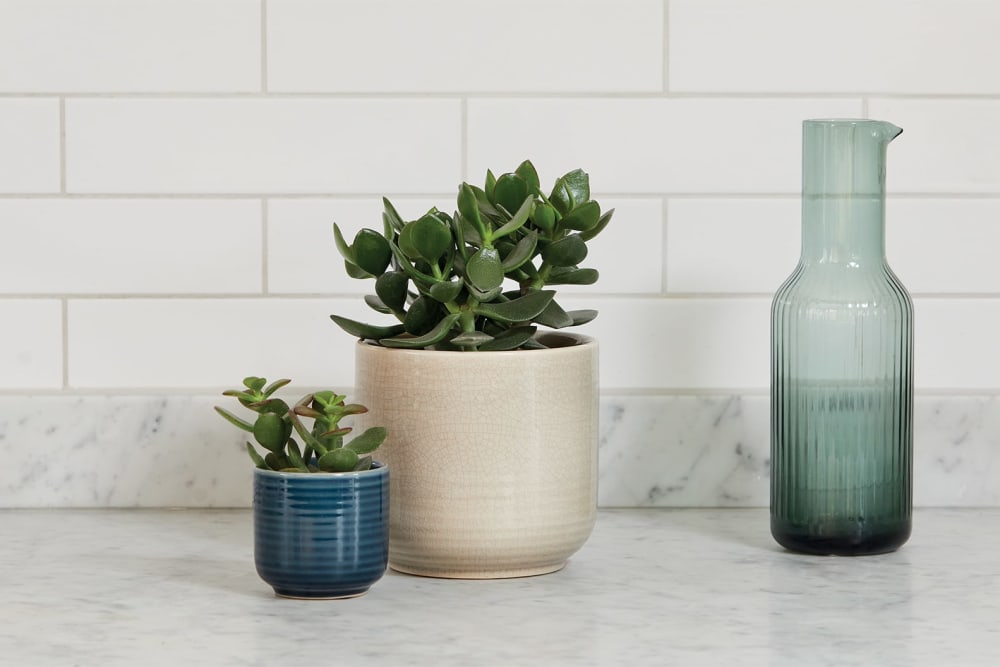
(170, 171)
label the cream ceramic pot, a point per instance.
(493, 454)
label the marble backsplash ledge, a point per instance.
(655, 451)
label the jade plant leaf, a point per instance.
(554, 316)
(583, 217)
(573, 276)
(599, 227)
(491, 183)
(544, 217)
(522, 252)
(234, 420)
(432, 337)
(391, 215)
(510, 192)
(345, 250)
(523, 309)
(430, 237)
(484, 270)
(269, 431)
(362, 330)
(567, 251)
(509, 340)
(371, 252)
(391, 289)
(338, 460)
(368, 441)
(570, 191)
(471, 339)
(421, 317)
(516, 222)
(582, 316)
(355, 271)
(446, 291)
(526, 171)
(468, 206)
(377, 304)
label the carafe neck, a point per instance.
(843, 191)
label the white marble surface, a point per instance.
(652, 587)
(656, 451)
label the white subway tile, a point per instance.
(30, 344)
(657, 343)
(886, 46)
(191, 343)
(651, 145)
(455, 46)
(80, 246)
(731, 245)
(947, 146)
(302, 254)
(956, 343)
(130, 46)
(29, 145)
(944, 245)
(262, 145)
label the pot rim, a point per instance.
(581, 341)
(378, 468)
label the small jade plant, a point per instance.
(477, 279)
(324, 448)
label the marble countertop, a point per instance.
(651, 587)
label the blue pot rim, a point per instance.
(378, 468)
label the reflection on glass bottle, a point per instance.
(842, 358)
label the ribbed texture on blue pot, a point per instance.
(321, 535)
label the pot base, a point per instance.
(294, 595)
(478, 574)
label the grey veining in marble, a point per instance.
(651, 587)
(655, 451)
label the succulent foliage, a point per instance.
(477, 279)
(276, 423)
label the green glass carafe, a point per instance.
(842, 358)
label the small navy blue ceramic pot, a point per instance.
(321, 535)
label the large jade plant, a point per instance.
(324, 448)
(477, 279)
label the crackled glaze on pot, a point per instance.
(494, 455)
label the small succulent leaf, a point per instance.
(578, 184)
(527, 171)
(544, 217)
(511, 191)
(582, 316)
(368, 441)
(584, 217)
(391, 289)
(405, 264)
(491, 183)
(468, 206)
(444, 292)
(371, 252)
(523, 309)
(406, 242)
(421, 317)
(269, 431)
(276, 461)
(561, 197)
(509, 340)
(377, 304)
(599, 227)
(481, 296)
(484, 269)
(295, 457)
(337, 431)
(567, 251)
(257, 459)
(471, 339)
(362, 330)
(430, 237)
(306, 411)
(391, 215)
(234, 420)
(432, 337)
(573, 277)
(364, 463)
(345, 250)
(516, 222)
(272, 405)
(554, 316)
(275, 386)
(355, 271)
(487, 208)
(254, 383)
(521, 253)
(312, 442)
(338, 460)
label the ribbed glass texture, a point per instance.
(842, 358)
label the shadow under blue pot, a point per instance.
(321, 535)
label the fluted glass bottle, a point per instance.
(842, 358)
